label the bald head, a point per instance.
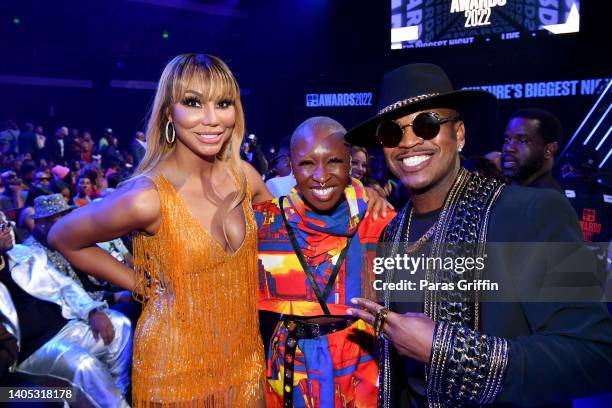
(317, 128)
(320, 161)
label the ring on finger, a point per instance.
(379, 321)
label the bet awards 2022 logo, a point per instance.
(477, 12)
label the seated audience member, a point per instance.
(6, 203)
(42, 179)
(283, 179)
(95, 173)
(96, 159)
(279, 165)
(63, 332)
(129, 164)
(113, 181)
(27, 172)
(85, 191)
(75, 165)
(531, 141)
(251, 152)
(25, 221)
(62, 182)
(360, 164)
(60, 173)
(48, 210)
(11, 197)
(360, 169)
(63, 189)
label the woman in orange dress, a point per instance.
(197, 342)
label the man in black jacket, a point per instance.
(138, 147)
(57, 149)
(542, 337)
(531, 141)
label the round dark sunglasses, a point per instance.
(425, 125)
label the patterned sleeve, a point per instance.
(466, 367)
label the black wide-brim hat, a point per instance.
(416, 87)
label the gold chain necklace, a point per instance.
(422, 240)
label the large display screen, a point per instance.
(440, 23)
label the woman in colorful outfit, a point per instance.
(314, 247)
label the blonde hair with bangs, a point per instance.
(218, 83)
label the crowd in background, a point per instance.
(34, 162)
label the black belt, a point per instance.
(300, 329)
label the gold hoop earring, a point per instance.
(168, 140)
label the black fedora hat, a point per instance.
(415, 87)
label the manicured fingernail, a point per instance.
(349, 312)
(354, 301)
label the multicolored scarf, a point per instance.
(323, 236)
(284, 286)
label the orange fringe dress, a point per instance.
(197, 341)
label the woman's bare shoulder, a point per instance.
(258, 188)
(249, 171)
(137, 198)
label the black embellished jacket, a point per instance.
(523, 353)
